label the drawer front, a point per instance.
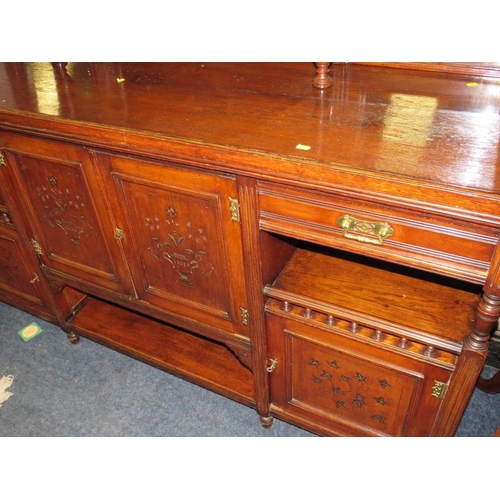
(347, 388)
(458, 248)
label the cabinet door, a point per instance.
(20, 283)
(21, 280)
(182, 240)
(64, 210)
(349, 388)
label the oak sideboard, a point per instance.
(316, 241)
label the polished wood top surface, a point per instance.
(384, 123)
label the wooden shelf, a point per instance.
(193, 358)
(415, 305)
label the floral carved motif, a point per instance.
(179, 243)
(64, 210)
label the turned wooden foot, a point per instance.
(266, 422)
(73, 337)
(490, 386)
(322, 80)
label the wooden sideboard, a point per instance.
(328, 256)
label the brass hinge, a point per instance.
(245, 319)
(37, 247)
(439, 389)
(2, 161)
(234, 208)
(118, 234)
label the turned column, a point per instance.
(488, 313)
(488, 310)
(473, 355)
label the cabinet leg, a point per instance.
(74, 338)
(266, 422)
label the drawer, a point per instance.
(434, 241)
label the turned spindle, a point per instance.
(322, 80)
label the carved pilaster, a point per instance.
(252, 256)
(459, 391)
(473, 356)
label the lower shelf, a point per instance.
(186, 355)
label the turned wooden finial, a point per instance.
(322, 80)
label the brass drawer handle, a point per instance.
(371, 232)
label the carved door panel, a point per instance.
(20, 278)
(65, 212)
(20, 283)
(349, 388)
(182, 240)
